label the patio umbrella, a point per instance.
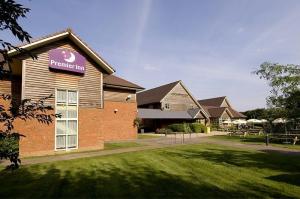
(279, 121)
(239, 121)
(254, 121)
(227, 122)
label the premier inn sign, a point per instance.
(64, 59)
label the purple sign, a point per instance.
(64, 59)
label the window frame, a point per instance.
(66, 119)
(167, 106)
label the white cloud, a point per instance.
(142, 24)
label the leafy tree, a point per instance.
(10, 12)
(255, 114)
(12, 110)
(283, 80)
(292, 105)
(268, 114)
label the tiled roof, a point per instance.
(155, 95)
(216, 111)
(217, 101)
(112, 80)
(160, 114)
(236, 114)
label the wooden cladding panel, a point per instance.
(118, 95)
(40, 81)
(179, 100)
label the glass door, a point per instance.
(66, 128)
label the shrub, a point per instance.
(163, 131)
(197, 128)
(180, 128)
(9, 147)
(214, 127)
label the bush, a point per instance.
(214, 127)
(9, 147)
(197, 128)
(180, 128)
(163, 131)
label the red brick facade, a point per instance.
(95, 127)
(119, 125)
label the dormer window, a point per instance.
(167, 106)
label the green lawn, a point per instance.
(145, 136)
(186, 171)
(255, 139)
(119, 145)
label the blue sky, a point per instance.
(211, 45)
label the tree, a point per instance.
(11, 110)
(292, 105)
(283, 80)
(269, 114)
(258, 113)
(10, 12)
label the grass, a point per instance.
(145, 136)
(119, 145)
(107, 146)
(190, 171)
(255, 139)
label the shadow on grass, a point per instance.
(98, 183)
(109, 181)
(116, 183)
(293, 179)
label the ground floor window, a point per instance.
(66, 128)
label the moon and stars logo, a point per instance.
(65, 59)
(68, 56)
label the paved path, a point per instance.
(156, 143)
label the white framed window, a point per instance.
(66, 127)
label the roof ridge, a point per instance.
(67, 33)
(69, 30)
(161, 86)
(116, 83)
(156, 94)
(212, 98)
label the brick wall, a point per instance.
(95, 127)
(119, 125)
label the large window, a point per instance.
(66, 136)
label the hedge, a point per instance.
(197, 128)
(184, 127)
(163, 131)
(188, 127)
